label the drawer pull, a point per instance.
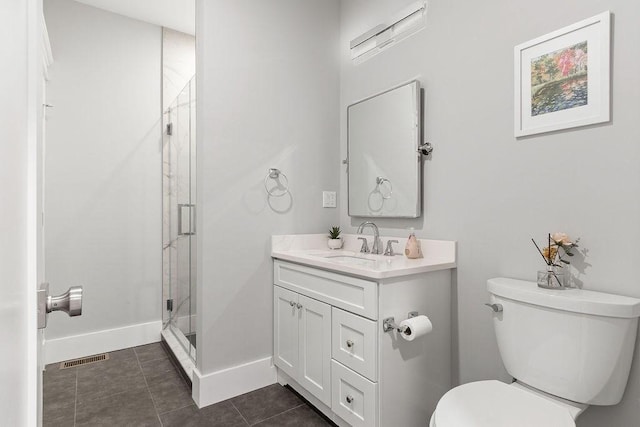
(350, 343)
(299, 306)
(349, 399)
(291, 303)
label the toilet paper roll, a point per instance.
(415, 327)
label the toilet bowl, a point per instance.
(594, 333)
(496, 404)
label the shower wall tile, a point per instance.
(179, 63)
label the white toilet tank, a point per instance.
(571, 343)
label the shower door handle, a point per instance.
(190, 216)
(70, 302)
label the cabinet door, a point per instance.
(314, 338)
(285, 330)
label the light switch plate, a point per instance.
(329, 199)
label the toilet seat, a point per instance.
(496, 404)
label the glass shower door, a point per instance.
(180, 226)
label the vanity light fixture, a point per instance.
(409, 21)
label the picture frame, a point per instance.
(561, 79)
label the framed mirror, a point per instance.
(384, 177)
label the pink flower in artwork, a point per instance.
(580, 59)
(565, 61)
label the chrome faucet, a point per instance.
(375, 248)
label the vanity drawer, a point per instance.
(349, 293)
(354, 342)
(353, 396)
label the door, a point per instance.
(314, 343)
(179, 229)
(20, 152)
(285, 330)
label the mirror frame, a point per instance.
(416, 144)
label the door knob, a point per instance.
(70, 302)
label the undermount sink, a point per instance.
(349, 259)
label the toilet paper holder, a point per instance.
(389, 323)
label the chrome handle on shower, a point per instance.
(70, 302)
(190, 226)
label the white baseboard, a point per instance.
(227, 383)
(60, 349)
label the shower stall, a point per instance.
(179, 227)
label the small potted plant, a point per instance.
(555, 276)
(335, 241)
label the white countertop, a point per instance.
(312, 250)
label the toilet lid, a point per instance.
(496, 404)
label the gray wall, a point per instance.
(103, 167)
(491, 192)
(267, 97)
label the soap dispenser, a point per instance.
(413, 249)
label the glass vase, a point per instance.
(553, 278)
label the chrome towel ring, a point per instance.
(280, 189)
(379, 182)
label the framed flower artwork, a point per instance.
(562, 78)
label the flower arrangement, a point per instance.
(558, 246)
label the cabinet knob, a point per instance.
(299, 306)
(350, 343)
(291, 303)
(349, 398)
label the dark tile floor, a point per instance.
(141, 387)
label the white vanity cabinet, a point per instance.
(329, 343)
(302, 345)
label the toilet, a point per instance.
(566, 349)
